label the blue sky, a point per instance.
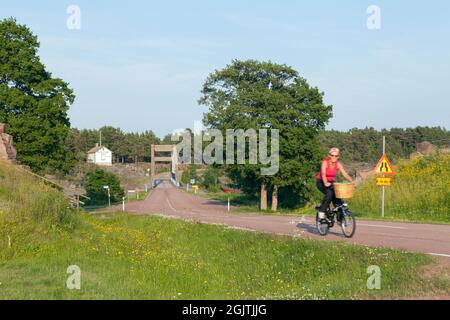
(140, 65)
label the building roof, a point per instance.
(97, 148)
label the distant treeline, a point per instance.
(357, 145)
(366, 145)
(126, 147)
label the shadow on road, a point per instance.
(313, 230)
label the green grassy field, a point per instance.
(130, 257)
(139, 257)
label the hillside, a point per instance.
(30, 211)
(420, 192)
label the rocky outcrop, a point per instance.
(427, 148)
(7, 151)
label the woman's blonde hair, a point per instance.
(333, 150)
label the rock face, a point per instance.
(7, 151)
(426, 148)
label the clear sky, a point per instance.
(140, 65)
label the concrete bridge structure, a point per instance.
(165, 153)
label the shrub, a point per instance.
(94, 185)
(190, 173)
(211, 179)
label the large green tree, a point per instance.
(264, 95)
(33, 104)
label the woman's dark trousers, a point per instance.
(329, 196)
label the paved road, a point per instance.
(167, 200)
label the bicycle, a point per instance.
(345, 218)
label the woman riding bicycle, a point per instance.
(325, 179)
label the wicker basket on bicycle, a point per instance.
(344, 190)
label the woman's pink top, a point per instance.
(331, 171)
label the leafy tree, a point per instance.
(167, 139)
(263, 95)
(146, 139)
(94, 184)
(211, 179)
(32, 102)
(190, 173)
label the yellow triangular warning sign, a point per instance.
(383, 166)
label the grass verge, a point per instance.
(135, 257)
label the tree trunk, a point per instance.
(263, 205)
(275, 198)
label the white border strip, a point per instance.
(439, 254)
(379, 226)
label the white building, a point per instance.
(100, 155)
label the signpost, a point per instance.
(109, 195)
(229, 190)
(383, 167)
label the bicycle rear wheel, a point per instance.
(348, 224)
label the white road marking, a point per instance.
(170, 205)
(439, 254)
(380, 226)
(365, 225)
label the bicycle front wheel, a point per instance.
(322, 226)
(348, 224)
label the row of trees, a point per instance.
(126, 147)
(358, 145)
(365, 145)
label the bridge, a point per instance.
(165, 153)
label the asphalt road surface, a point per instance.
(167, 200)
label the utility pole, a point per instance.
(382, 188)
(100, 138)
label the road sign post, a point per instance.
(383, 167)
(382, 196)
